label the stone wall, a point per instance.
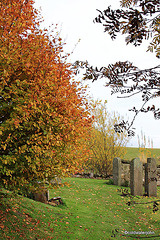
(125, 173)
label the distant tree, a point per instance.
(139, 20)
(105, 143)
(43, 112)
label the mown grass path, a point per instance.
(92, 210)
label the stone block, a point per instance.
(136, 177)
(117, 171)
(151, 177)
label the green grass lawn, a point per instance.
(135, 152)
(92, 210)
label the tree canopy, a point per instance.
(43, 111)
(105, 143)
(139, 20)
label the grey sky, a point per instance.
(75, 21)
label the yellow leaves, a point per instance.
(4, 146)
(9, 172)
(16, 123)
(5, 73)
(29, 160)
(5, 161)
(8, 160)
(105, 144)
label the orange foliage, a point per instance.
(43, 114)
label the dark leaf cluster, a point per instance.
(136, 23)
(156, 112)
(155, 207)
(124, 192)
(131, 22)
(115, 232)
(127, 80)
(90, 73)
(110, 20)
(149, 6)
(124, 127)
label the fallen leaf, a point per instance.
(2, 226)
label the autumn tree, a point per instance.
(43, 111)
(139, 20)
(105, 143)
